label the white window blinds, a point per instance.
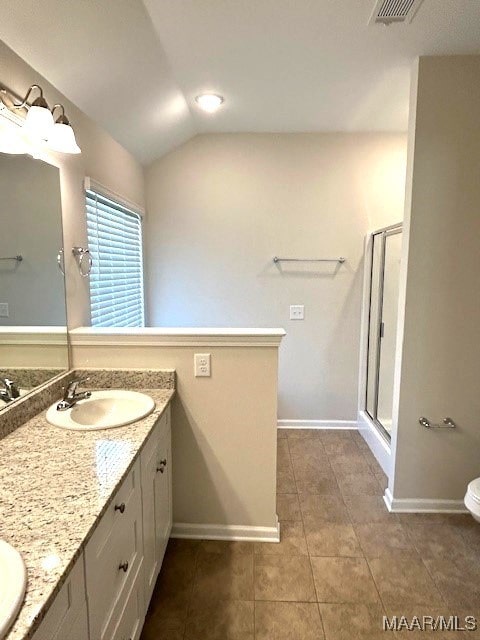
(116, 280)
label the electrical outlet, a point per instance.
(4, 313)
(201, 363)
(297, 312)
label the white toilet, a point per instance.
(472, 498)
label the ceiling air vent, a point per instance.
(388, 11)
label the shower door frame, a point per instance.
(384, 232)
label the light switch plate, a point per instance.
(201, 363)
(297, 312)
(4, 313)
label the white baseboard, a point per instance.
(226, 532)
(413, 505)
(376, 443)
(317, 424)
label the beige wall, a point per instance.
(221, 206)
(223, 427)
(102, 159)
(34, 347)
(439, 331)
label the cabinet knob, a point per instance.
(163, 464)
(123, 567)
(120, 507)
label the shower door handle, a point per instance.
(382, 329)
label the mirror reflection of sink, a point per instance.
(103, 410)
(13, 582)
(21, 391)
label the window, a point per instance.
(116, 280)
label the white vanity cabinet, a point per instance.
(156, 499)
(114, 559)
(67, 617)
(114, 577)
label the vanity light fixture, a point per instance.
(209, 102)
(61, 137)
(37, 127)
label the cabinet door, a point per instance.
(129, 626)
(66, 618)
(149, 461)
(163, 489)
(76, 630)
(113, 556)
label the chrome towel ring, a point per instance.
(80, 253)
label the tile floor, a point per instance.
(343, 561)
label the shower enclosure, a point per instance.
(386, 247)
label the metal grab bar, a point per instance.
(277, 259)
(447, 423)
(17, 258)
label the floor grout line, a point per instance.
(305, 536)
(340, 502)
(308, 552)
(192, 587)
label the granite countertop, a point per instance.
(54, 487)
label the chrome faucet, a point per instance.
(10, 392)
(71, 397)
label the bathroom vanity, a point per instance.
(91, 514)
(118, 568)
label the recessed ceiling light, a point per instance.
(209, 102)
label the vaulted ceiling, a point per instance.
(282, 65)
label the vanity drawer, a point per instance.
(113, 557)
(66, 619)
(130, 625)
(117, 512)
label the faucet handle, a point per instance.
(75, 382)
(71, 387)
(70, 395)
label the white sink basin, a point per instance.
(103, 410)
(13, 581)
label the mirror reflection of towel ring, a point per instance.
(61, 261)
(80, 253)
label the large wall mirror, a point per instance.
(33, 322)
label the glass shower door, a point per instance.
(388, 329)
(374, 324)
(382, 329)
